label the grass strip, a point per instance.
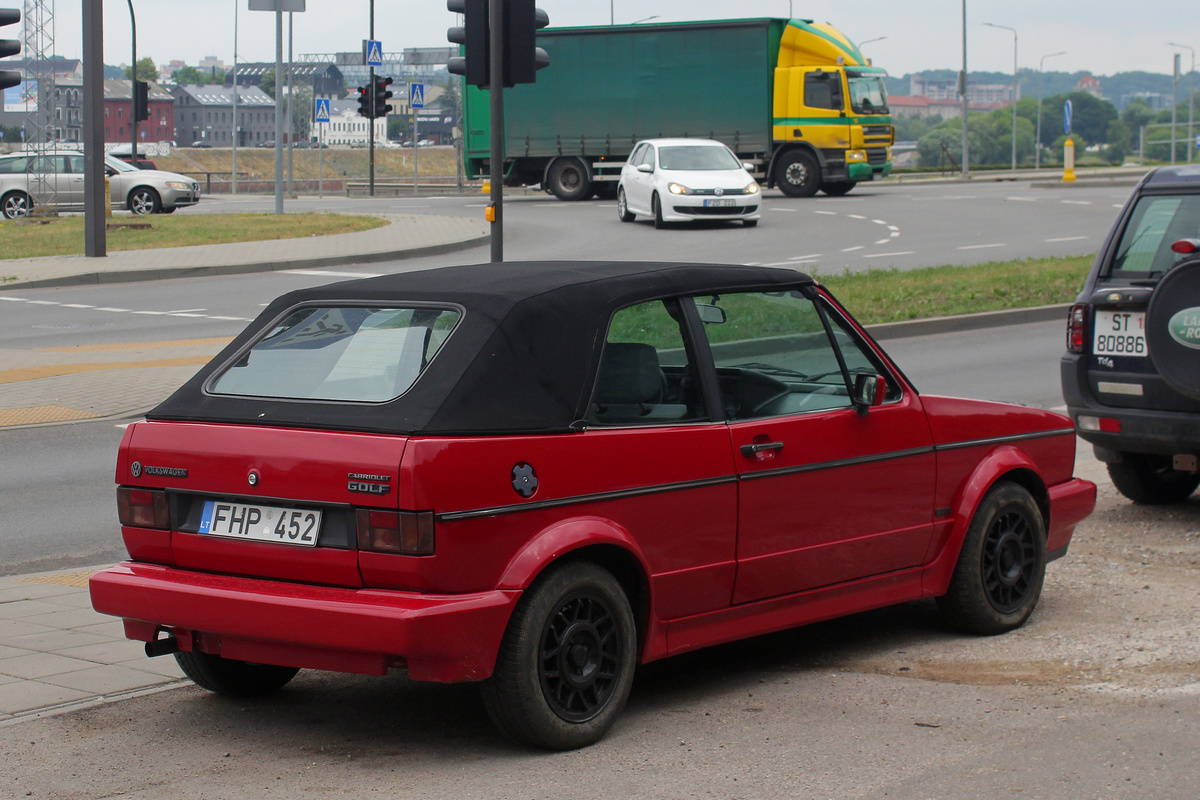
(64, 236)
(891, 295)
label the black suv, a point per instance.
(1131, 375)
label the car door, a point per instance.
(49, 182)
(70, 185)
(641, 184)
(826, 494)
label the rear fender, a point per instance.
(1000, 464)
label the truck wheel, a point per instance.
(566, 661)
(838, 188)
(1001, 566)
(798, 174)
(233, 678)
(568, 180)
(623, 212)
(1150, 480)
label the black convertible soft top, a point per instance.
(522, 359)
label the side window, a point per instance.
(75, 165)
(647, 375)
(823, 90)
(638, 154)
(774, 357)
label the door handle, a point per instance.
(751, 450)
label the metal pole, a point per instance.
(133, 125)
(1174, 106)
(371, 124)
(278, 110)
(496, 158)
(1191, 94)
(1016, 88)
(416, 150)
(1037, 143)
(321, 161)
(233, 165)
(291, 133)
(93, 130)
(966, 170)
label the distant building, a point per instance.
(205, 114)
(118, 112)
(325, 79)
(346, 127)
(1155, 100)
(1090, 85)
(980, 96)
(923, 107)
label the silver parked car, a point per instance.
(141, 191)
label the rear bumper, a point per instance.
(439, 637)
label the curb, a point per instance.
(968, 322)
(167, 273)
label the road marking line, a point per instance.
(42, 302)
(826, 213)
(852, 249)
(783, 263)
(13, 299)
(151, 313)
(1076, 202)
(787, 210)
(879, 222)
(1067, 239)
(883, 241)
(892, 228)
(185, 310)
(979, 246)
(800, 258)
(76, 305)
(182, 314)
(232, 319)
(881, 255)
(114, 310)
(1022, 199)
(894, 234)
(856, 216)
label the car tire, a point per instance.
(568, 180)
(656, 208)
(623, 212)
(798, 174)
(233, 678)
(1002, 564)
(144, 200)
(15, 205)
(1150, 480)
(749, 223)
(170, 210)
(838, 188)
(566, 661)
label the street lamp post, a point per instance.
(1191, 95)
(133, 121)
(1016, 87)
(233, 165)
(1037, 138)
(869, 41)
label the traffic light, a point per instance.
(364, 102)
(9, 47)
(474, 37)
(522, 56)
(141, 101)
(382, 95)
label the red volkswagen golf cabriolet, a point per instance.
(539, 475)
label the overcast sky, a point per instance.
(1099, 36)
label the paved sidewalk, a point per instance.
(407, 236)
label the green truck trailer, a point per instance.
(795, 99)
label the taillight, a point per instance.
(408, 533)
(143, 508)
(1077, 329)
(1102, 424)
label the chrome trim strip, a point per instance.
(1016, 437)
(454, 516)
(841, 462)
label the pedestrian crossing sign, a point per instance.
(416, 95)
(373, 53)
(322, 110)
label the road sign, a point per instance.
(372, 53)
(1067, 117)
(416, 95)
(321, 114)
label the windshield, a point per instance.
(699, 156)
(119, 165)
(1155, 224)
(867, 94)
(366, 355)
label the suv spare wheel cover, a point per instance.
(1173, 328)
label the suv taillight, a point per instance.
(408, 533)
(1077, 329)
(143, 508)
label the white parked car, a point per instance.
(142, 191)
(684, 180)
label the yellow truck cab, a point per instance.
(832, 127)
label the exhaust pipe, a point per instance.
(162, 647)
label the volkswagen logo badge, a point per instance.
(136, 469)
(718, 191)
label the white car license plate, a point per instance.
(298, 526)
(1120, 333)
(721, 202)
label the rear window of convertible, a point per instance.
(347, 353)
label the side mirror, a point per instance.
(645, 168)
(746, 165)
(869, 390)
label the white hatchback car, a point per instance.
(683, 180)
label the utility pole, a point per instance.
(93, 132)
(962, 88)
(1037, 137)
